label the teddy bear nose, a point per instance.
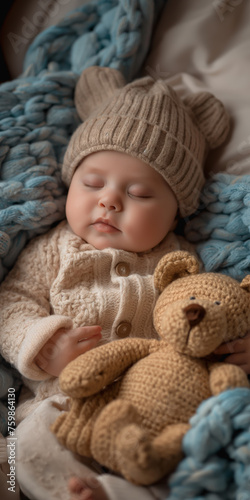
(195, 313)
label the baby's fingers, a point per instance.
(231, 347)
(241, 360)
(87, 344)
(87, 332)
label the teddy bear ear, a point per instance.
(174, 265)
(245, 284)
(94, 87)
(211, 117)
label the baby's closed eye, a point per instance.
(138, 191)
(93, 181)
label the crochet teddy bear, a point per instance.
(131, 399)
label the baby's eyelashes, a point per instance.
(139, 192)
(142, 197)
(93, 181)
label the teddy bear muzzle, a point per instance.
(195, 313)
(195, 328)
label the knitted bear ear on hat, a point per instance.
(211, 117)
(94, 87)
(174, 265)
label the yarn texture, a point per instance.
(217, 449)
(132, 399)
(147, 120)
(80, 284)
(221, 229)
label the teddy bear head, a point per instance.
(196, 312)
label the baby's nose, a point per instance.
(108, 206)
(110, 202)
(195, 313)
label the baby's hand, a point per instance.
(66, 345)
(238, 352)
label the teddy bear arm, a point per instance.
(225, 376)
(92, 371)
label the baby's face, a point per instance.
(118, 201)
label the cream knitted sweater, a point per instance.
(61, 281)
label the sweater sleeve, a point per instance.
(26, 320)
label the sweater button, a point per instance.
(123, 330)
(122, 269)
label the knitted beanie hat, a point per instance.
(146, 119)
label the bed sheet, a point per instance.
(201, 45)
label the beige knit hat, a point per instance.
(147, 120)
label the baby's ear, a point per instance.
(174, 265)
(94, 87)
(245, 284)
(210, 116)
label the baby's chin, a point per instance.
(103, 244)
(125, 248)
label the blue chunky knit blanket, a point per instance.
(217, 449)
(37, 118)
(221, 230)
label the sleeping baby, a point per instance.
(133, 167)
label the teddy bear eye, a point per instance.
(217, 302)
(192, 298)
